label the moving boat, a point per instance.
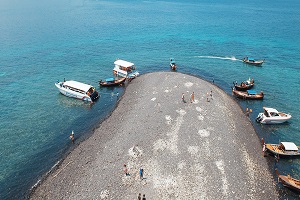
(249, 94)
(112, 81)
(288, 181)
(78, 90)
(283, 149)
(125, 69)
(251, 61)
(245, 85)
(173, 64)
(272, 116)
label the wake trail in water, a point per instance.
(219, 57)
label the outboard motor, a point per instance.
(94, 95)
(259, 117)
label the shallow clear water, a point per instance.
(43, 41)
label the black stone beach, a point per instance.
(199, 150)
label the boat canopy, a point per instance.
(251, 92)
(251, 59)
(123, 63)
(77, 85)
(270, 110)
(109, 79)
(289, 146)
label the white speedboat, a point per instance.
(125, 69)
(272, 116)
(77, 90)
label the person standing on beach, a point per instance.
(182, 97)
(192, 97)
(72, 138)
(141, 173)
(139, 197)
(126, 170)
(144, 197)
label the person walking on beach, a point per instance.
(144, 197)
(126, 170)
(72, 138)
(141, 173)
(140, 196)
(182, 97)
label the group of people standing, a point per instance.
(192, 97)
(127, 173)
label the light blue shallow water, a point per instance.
(43, 41)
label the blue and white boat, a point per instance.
(125, 69)
(78, 90)
(112, 81)
(252, 61)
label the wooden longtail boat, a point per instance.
(248, 95)
(288, 181)
(283, 149)
(251, 61)
(112, 82)
(245, 85)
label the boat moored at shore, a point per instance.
(78, 90)
(245, 85)
(125, 69)
(283, 149)
(288, 181)
(248, 95)
(112, 81)
(272, 116)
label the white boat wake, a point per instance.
(218, 57)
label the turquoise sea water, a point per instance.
(43, 41)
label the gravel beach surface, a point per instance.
(205, 149)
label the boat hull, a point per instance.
(125, 74)
(263, 119)
(256, 63)
(273, 148)
(113, 83)
(76, 95)
(290, 182)
(245, 96)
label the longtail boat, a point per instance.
(248, 95)
(251, 61)
(112, 82)
(245, 85)
(283, 149)
(288, 181)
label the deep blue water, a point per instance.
(43, 41)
